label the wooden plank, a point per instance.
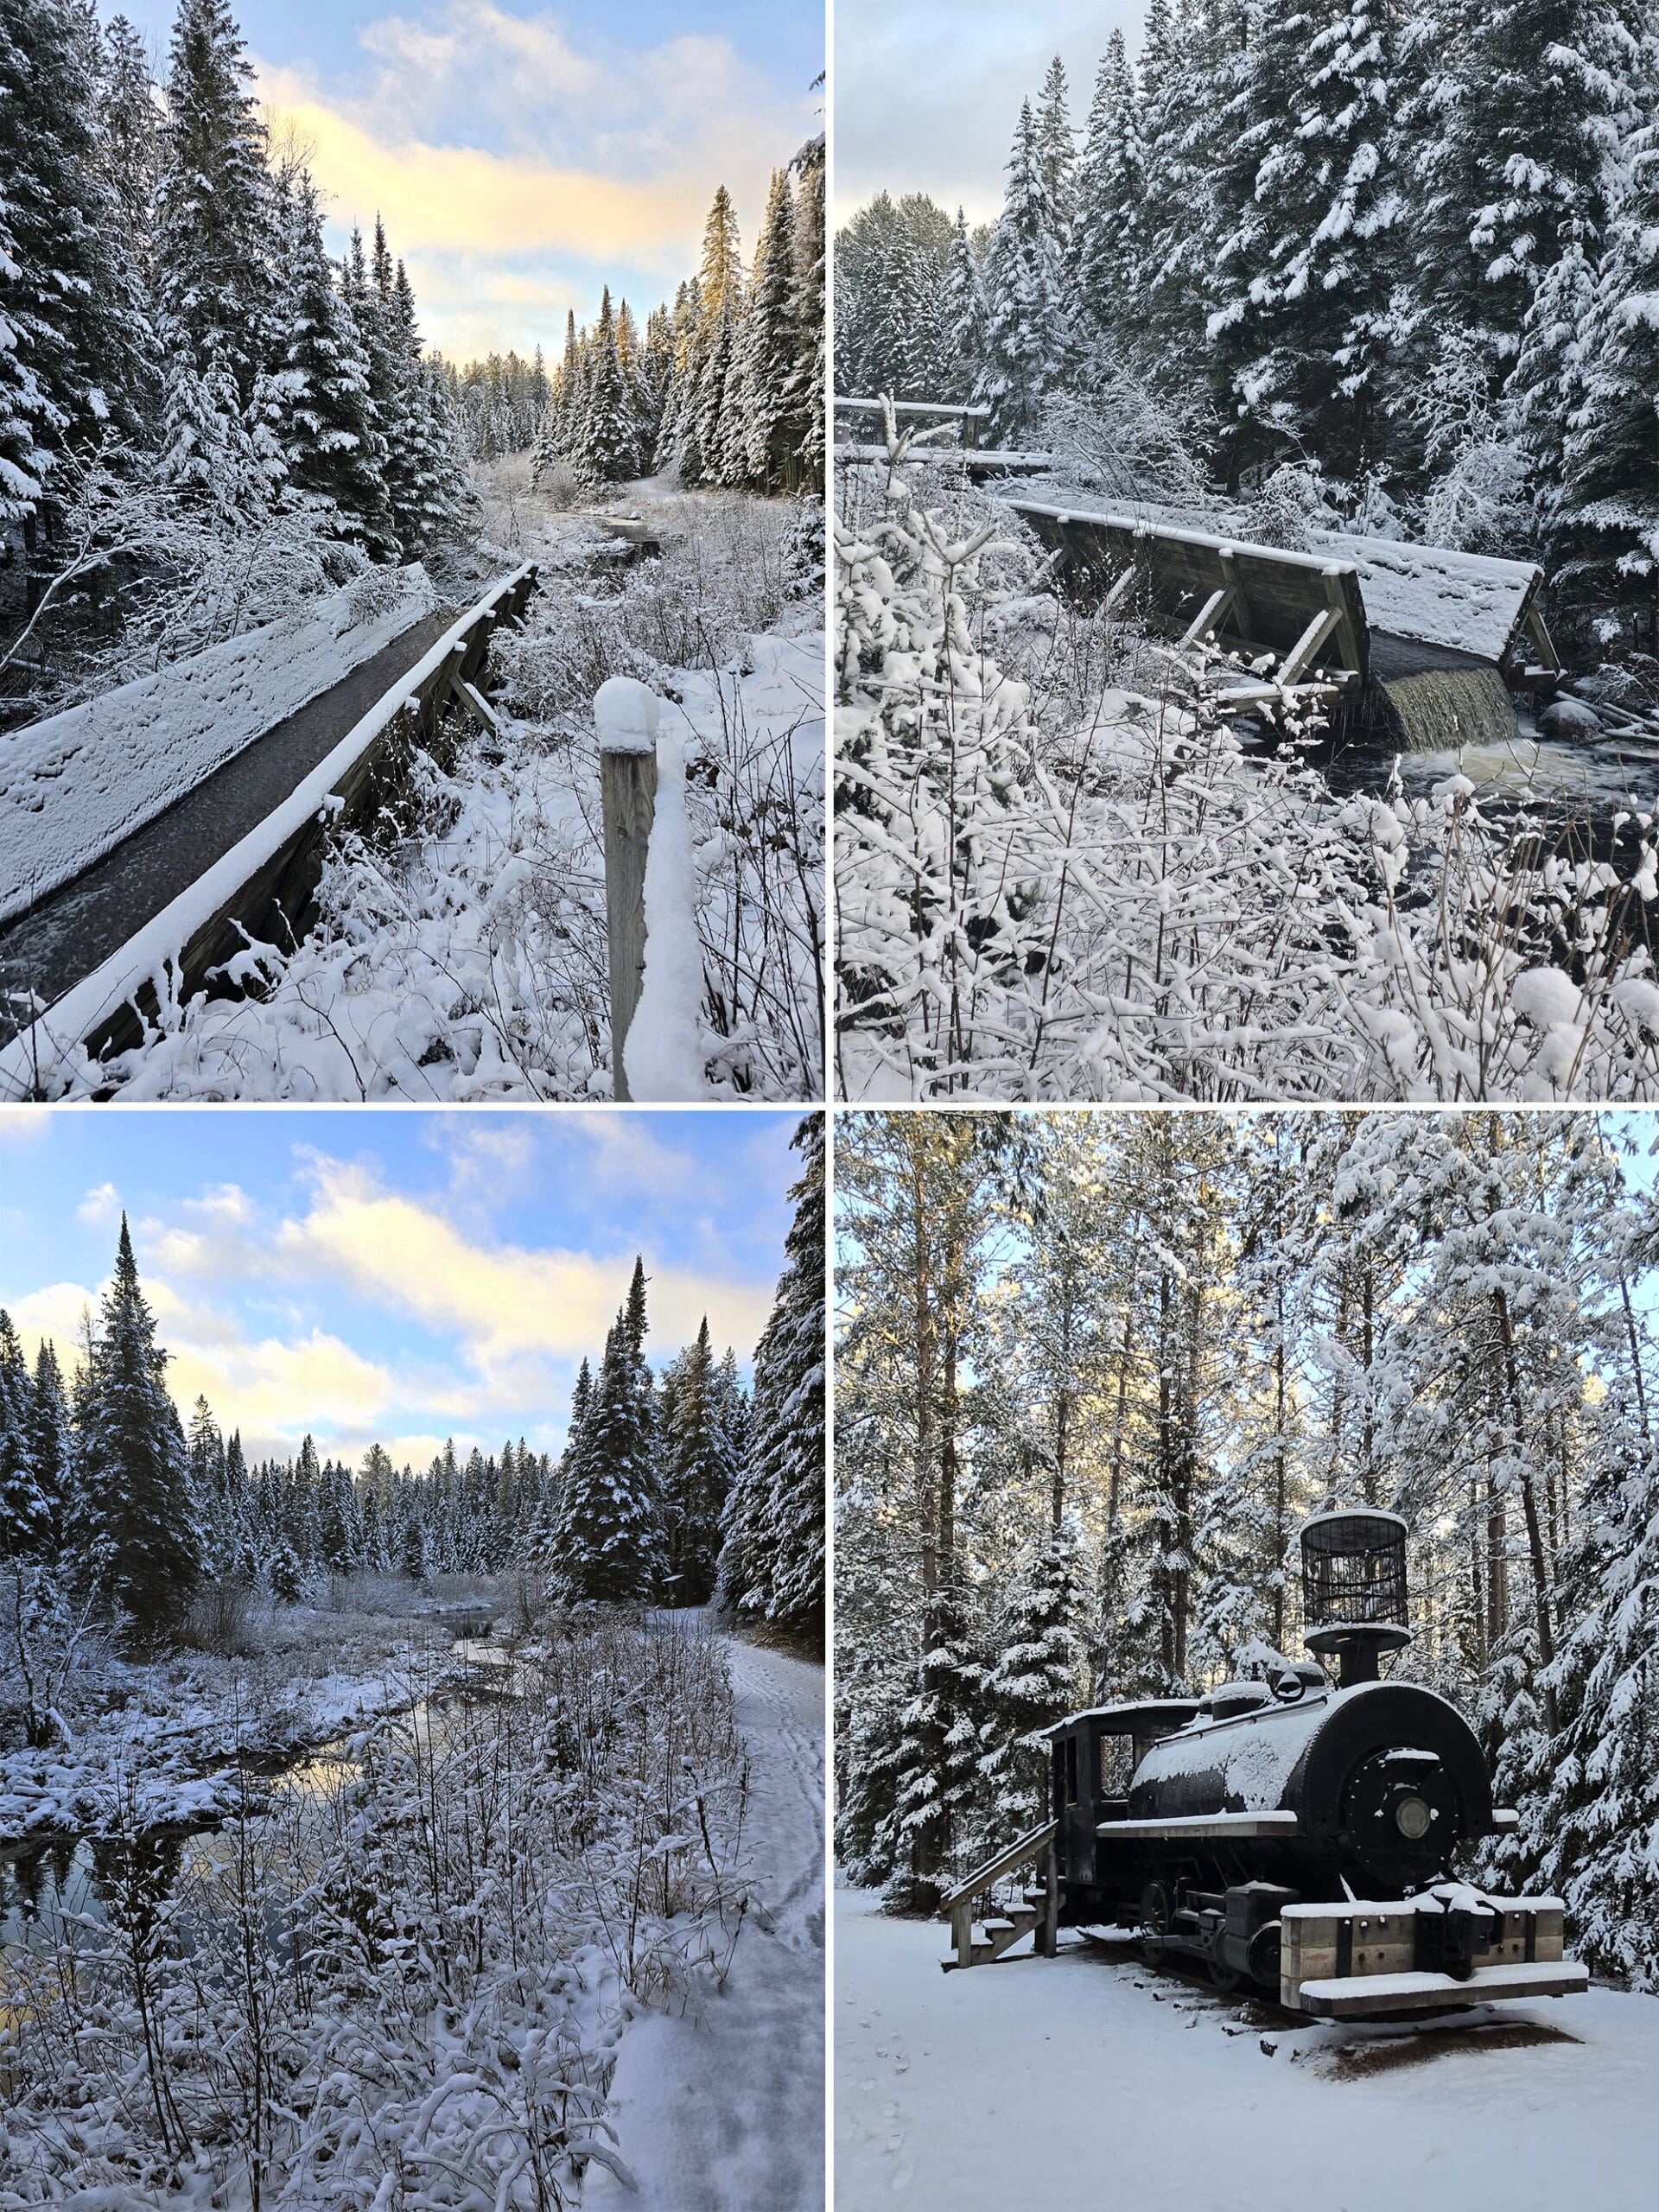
(1323, 623)
(1017, 1854)
(627, 791)
(1433, 1992)
(1210, 617)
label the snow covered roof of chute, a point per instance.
(1472, 602)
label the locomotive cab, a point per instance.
(1094, 1756)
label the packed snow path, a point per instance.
(723, 2112)
(1039, 2080)
(77, 928)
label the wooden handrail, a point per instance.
(1017, 1854)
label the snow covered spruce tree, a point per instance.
(216, 247)
(74, 344)
(1028, 335)
(771, 1555)
(607, 1540)
(696, 1472)
(145, 1536)
(333, 447)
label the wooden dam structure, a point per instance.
(1423, 644)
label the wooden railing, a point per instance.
(958, 1906)
(264, 888)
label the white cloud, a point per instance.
(506, 1304)
(101, 1207)
(623, 1148)
(25, 1125)
(515, 170)
(54, 1311)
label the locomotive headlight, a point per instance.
(1411, 1817)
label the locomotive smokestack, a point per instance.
(1354, 1589)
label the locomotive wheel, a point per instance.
(1155, 1920)
(1223, 1978)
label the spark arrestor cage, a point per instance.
(1354, 1569)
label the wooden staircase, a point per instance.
(977, 1943)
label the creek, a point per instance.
(47, 1886)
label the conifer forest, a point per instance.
(244, 502)
(1371, 285)
(1094, 1370)
(364, 1805)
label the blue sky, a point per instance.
(524, 155)
(403, 1275)
(928, 91)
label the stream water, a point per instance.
(46, 1886)
(1461, 722)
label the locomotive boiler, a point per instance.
(1299, 1836)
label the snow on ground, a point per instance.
(72, 787)
(1086, 2080)
(723, 2111)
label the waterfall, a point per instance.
(1443, 709)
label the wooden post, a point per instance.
(1050, 1932)
(627, 787)
(962, 1927)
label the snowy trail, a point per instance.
(1038, 2080)
(77, 928)
(725, 2113)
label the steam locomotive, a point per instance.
(1299, 1836)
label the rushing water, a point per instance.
(45, 1887)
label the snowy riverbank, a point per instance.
(1087, 2077)
(160, 1744)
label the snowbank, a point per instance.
(73, 786)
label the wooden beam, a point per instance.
(1308, 644)
(1241, 604)
(1347, 643)
(1017, 1854)
(1208, 617)
(1120, 590)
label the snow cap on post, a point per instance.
(626, 712)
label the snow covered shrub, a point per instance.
(1078, 887)
(1126, 440)
(1292, 499)
(149, 576)
(403, 1983)
(48, 1639)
